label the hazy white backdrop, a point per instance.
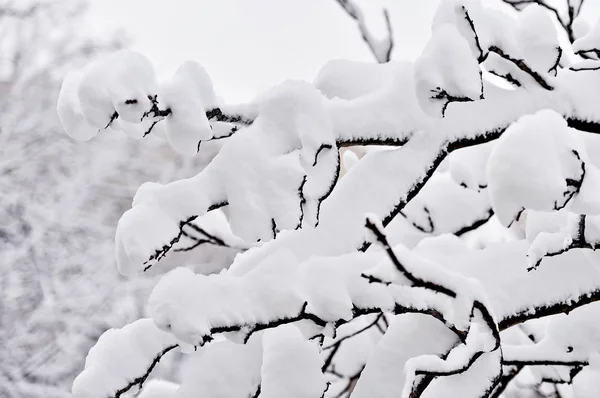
(249, 45)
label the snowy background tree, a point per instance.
(59, 206)
(459, 262)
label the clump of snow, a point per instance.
(537, 38)
(350, 159)
(538, 222)
(442, 206)
(476, 381)
(131, 81)
(121, 92)
(589, 43)
(408, 336)
(531, 37)
(581, 27)
(455, 12)
(272, 174)
(121, 82)
(446, 70)
(187, 124)
(586, 201)
(223, 369)
(530, 165)
(374, 115)
(157, 388)
(119, 357)
(291, 365)
(468, 165)
(349, 80)
(587, 383)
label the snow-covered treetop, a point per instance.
(332, 258)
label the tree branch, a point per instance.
(381, 49)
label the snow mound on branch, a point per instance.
(408, 336)
(223, 369)
(488, 25)
(537, 39)
(538, 222)
(581, 27)
(578, 332)
(531, 37)
(130, 82)
(446, 71)
(122, 83)
(188, 305)
(291, 365)
(349, 80)
(193, 307)
(427, 214)
(512, 290)
(586, 201)
(587, 383)
(376, 111)
(474, 382)
(156, 388)
(121, 92)
(353, 347)
(119, 357)
(273, 174)
(589, 43)
(532, 164)
(468, 165)
(185, 95)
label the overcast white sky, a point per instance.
(250, 45)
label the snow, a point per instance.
(223, 369)
(130, 82)
(408, 336)
(473, 383)
(188, 305)
(185, 304)
(592, 230)
(581, 27)
(538, 222)
(291, 365)
(446, 66)
(556, 242)
(260, 323)
(108, 83)
(350, 349)
(502, 269)
(349, 80)
(537, 38)
(530, 164)
(374, 115)
(468, 165)
(156, 388)
(585, 202)
(574, 337)
(187, 124)
(589, 42)
(119, 357)
(375, 112)
(442, 206)
(585, 384)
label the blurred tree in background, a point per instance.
(59, 204)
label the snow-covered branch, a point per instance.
(467, 153)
